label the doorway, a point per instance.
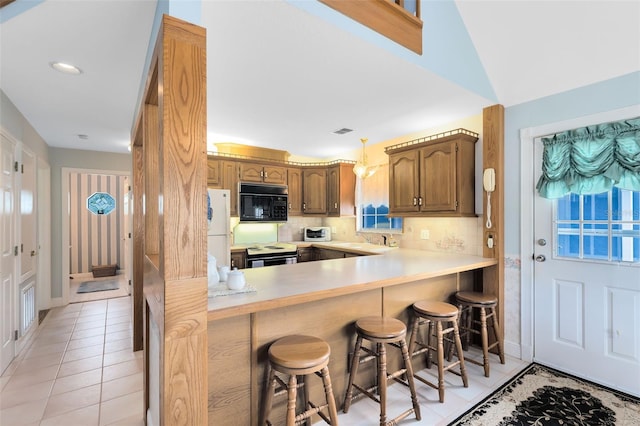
(580, 311)
(95, 234)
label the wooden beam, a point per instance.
(384, 17)
(493, 157)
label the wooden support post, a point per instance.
(493, 157)
(170, 174)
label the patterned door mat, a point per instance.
(540, 395)
(93, 286)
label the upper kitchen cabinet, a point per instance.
(253, 172)
(341, 187)
(213, 172)
(294, 182)
(314, 190)
(227, 178)
(433, 176)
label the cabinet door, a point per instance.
(404, 182)
(305, 254)
(275, 175)
(314, 191)
(229, 175)
(213, 173)
(294, 182)
(250, 172)
(438, 177)
(333, 190)
(238, 260)
(325, 254)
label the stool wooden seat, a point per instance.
(486, 304)
(380, 331)
(299, 355)
(435, 314)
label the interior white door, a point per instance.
(28, 217)
(586, 302)
(7, 251)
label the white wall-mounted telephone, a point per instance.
(489, 184)
(489, 180)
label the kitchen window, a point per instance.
(372, 199)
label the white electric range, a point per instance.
(268, 254)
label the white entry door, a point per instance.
(8, 247)
(587, 285)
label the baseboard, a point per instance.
(512, 349)
(527, 353)
(57, 301)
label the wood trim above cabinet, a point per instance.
(384, 17)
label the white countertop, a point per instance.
(286, 285)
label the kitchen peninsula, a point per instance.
(324, 299)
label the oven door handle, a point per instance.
(288, 256)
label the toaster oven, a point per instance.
(317, 233)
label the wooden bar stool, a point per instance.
(468, 300)
(435, 314)
(299, 356)
(381, 330)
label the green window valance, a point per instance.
(591, 159)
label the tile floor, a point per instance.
(457, 398)
(80, 370)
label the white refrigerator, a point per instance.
(218, 233)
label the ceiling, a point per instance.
(280, 76)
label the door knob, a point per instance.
(540, 258)
(542, 242)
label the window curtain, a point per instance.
(591, 159)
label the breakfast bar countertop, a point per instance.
(286, 285)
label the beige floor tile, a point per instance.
(118, 357)
(3, 381)
(136, 420)
(122, 386)
(79, 366)
(82, 353)
(117, 335)
(11, 398)
(87, 341)
(77, 381)
(37, 351)
(23, 414)
(123, 326)
(118, 319)
(121, 408)
(92, 317)
(31, 378)
(56, 329)
(48, 340)
(118, 345)
(55, 322)
(70, 401)
(90, 332)
(84, 325)
(116, 371)
(87, 416)
(27, 365)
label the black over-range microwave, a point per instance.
(262, 202)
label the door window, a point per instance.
(599, 227)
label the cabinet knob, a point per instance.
(419, 201)
(415, 201)
(335, 205)
(304, 206)
(289, 206)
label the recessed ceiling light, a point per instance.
(65, 68)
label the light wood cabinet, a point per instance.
(433, 178)
(213, 172)
(314, 190)
(341, 188)
(238, 259)
(229, 180)
(294, 182)
(253, 172)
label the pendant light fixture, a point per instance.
(361, 168)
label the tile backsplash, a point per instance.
(447, 234)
